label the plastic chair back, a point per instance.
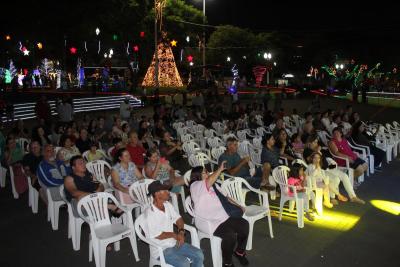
(97, 168)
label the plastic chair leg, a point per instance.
(300, 212)
(271, 232)
(249, 244)
(281, 208)
(183, 198)
(216, 251)
(132, 239)
(318, 201)
(291, 205)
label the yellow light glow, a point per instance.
(330, 219)
(39, 45)
(8, 37)
(173, 43)
(388, 206)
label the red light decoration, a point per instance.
(25, 72)
(136, 48)
(142, 34)
(23, 49)
(259, 72)
(73, 50)
(190, 58)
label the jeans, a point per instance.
(184, 256)
(229, 231)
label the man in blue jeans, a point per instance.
(161, 217)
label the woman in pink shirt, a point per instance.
(340, 147)
(211, 217)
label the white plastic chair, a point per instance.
(190, 147)
(13, 188)
(23, 143)
(208, 133)
(86, 153)
(257, 142)
(324, 137)
(347, 169)
(280, 175)
(138, 192)
(93, 209)
(219, 128)
(3, 173)
(177, 125)
(261, 131)
(142, 233)
(33, 198)
(215, 142)
(109, 152)
(233, 187)
(53, 208)
(97, 169)
(216, 152)
(74, 223)
(187, 138)
(204, 231)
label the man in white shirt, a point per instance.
(125, 110)
(161, 217)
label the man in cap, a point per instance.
(161, 217)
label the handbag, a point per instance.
(231, 209)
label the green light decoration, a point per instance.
(115, 37)
(329, 71)
(8, 77)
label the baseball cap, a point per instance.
(156, 186)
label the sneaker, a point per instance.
(241, 257)
(334, 201)
(328, 205)
(309, 216)
(357, 200)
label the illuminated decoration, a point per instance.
(275, 64)
(58, 85)
(388, 206)
(115, 37)
(136, 48)
(189, 58)
(39, 45)
(47, 66)
(73, 50)
(134, 66)
(288, 75)
(267, 55)
(187, 39)
(12, 71)
(85, 46)
(259, 72)
(80, 71)
(142, 34)
(98, 50)
(244, 57)
(191, 64)
(8, 37)
(173, 43)
(105, 55)
(21, 79)
(235, 73)
(20, 46)
(159, 6)
(25, 51)
(228, 59)
(111, 52)
(36, 76)
(127, 48)
(168, 75)
(97, 31)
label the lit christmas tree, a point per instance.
(168, 75)
(47, 66)
(12, 69)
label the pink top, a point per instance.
(298, 146)
(207, 207)
(297, 182)
(344, 148)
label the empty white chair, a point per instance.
(215, 142)
(208, 133)
(219, 128)
(261, 131)
(53, 206)
(74, 223)
(190, 147)
(97, 169)
(204, 231)
(33, 196)
(187, 138)
(93, 209)
(142, 233)
(233, 187)
(257, 142)
(23, 143)
(280, 175)
(177, 125)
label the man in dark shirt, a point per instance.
(83, 142)
(31, 161)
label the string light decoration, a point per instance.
(233, 87)
(141, 34)
(259, 72)
(160, 5)
(39, 45)
(168, 75)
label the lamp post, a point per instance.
(268, 57)
(155, 47)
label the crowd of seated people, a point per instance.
(151, 148)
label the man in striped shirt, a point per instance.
(51, 172)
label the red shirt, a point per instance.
(136, 153)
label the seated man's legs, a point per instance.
(194, 254)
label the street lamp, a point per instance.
(228, 59)
(97, 31)
(268, 57)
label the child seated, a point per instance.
(297, 179)
(297, 144)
